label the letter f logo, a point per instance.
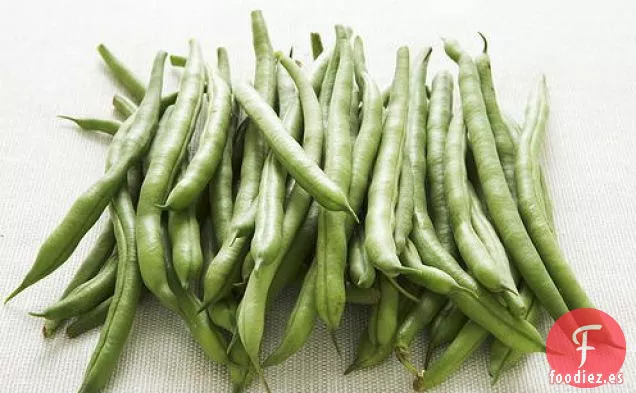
(583, 343)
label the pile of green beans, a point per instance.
(429, 209)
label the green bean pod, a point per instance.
(538, 225)
(269, 218)
(209, 153)
(85, 296)
(124, 105)
(377, 341)
(473, 301)
(286, 89)
(89, 320)
(223, 314)
(251, 314)
(366, 144)
(362, 296)
(300, 323)
(128, 79)
(254, 150)
(85, 211)
(107, 126)
(216, 280)
(495, 276)
(405, 206)
(470, 337)
(501, 205)
(416, 134)
(439, 120)
(502, 357)
(121, 312)
(444, 328)
(414, 322)
(90, 266)
(505, 146)
(387, 312)
(361, 271)
(187, 257)
(290, 154)
(331, 247)
(221, 193)
(166, 156)
(134, 86)
(382, 196)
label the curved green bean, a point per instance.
(107, 126)
(505, 146)
(526, 168)
(90, 266)
(85, 211)
(209, 153)
(85, 296)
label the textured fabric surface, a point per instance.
(49, 66)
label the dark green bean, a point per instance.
(316, 45)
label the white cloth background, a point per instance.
(49, 66)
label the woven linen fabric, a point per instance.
(49, 66)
